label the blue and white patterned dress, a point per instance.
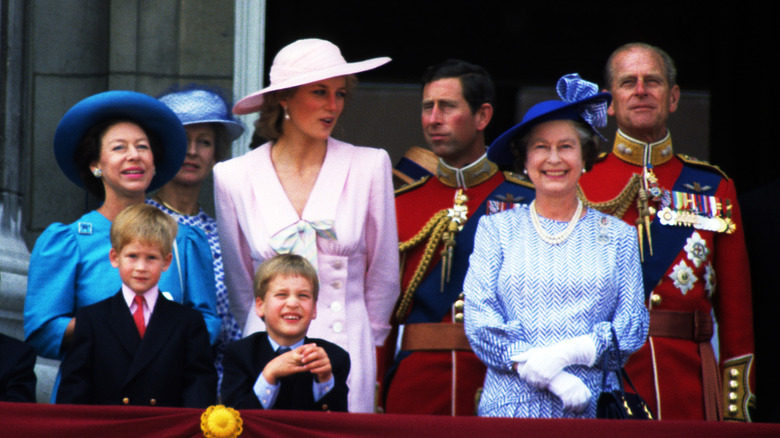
(522, 292)
(230, 330)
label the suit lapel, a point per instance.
(262, 352)
(124, 329)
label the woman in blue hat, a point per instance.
(210, 131)
(549, 282)
(117, 145)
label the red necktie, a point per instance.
(138, 315)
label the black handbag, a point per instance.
(619, 404)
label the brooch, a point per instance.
(85, 228)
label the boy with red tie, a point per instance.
(138, 347)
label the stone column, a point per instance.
(14, 256)
(248, 66)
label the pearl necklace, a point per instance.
(555, 239)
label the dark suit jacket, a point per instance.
(246, 358)
(17, 370)
(109, 364)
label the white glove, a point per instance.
(538, 366)
(573, 393)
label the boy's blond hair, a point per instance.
(286, 265)
(145, 223)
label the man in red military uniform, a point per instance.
(693, 249)
(434, 370)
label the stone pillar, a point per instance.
(14, 256)
(248, 64)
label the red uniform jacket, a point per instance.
(691, 270)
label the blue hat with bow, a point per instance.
(580, 101)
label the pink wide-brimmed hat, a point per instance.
(303, 62)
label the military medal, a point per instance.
(654, 190)
(696, 249)
(683, 277)
(702, 212)
(710, 281)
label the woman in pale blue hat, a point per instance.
(210, 131)
(118, 145)
(549, 283)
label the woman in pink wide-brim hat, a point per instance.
(308, 193)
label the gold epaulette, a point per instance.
(412, 185)
(618, 205)
(737, 397)
(517, 179)
(687, 159)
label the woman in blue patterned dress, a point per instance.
(210, 131)
(549, 282)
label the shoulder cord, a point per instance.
(433, 230)
(618, 205)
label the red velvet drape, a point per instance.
(61, 421)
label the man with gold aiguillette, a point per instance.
(690, 234)
(434, 370)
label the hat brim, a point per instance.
(500, 151)
(252, 102)
(234, 129)
(149, 113)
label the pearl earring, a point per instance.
(97, 172)
(286, 114)
(525, 171)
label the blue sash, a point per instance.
(669, 240)
(430, 303)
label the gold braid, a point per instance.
(435, 228)
(618, 205)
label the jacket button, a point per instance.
(126, 401)
(153, 402)
(325, 407)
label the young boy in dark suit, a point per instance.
(281, 368)
(138, 347)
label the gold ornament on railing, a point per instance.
(221, 422)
